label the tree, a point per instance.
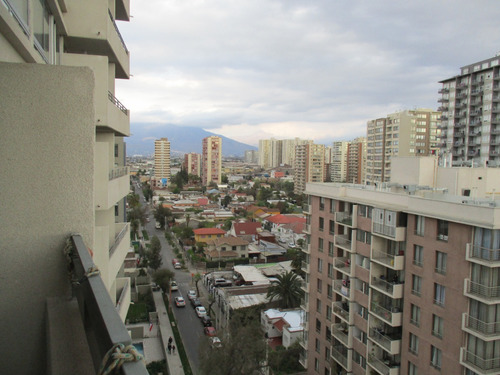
(133, 200)
(153, 255)
(224, 179)
(213, 185)
(137, 213)
(227, 199)
(287, 289)
(197, 278)
(161, 213)
(162, 277)
(148, 193)
(134, 226)
(286, 361)
(227, 224)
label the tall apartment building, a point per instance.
(162, 162)
(251, 156)
(275, 152)
(406, 133)
(356, 160)
(192, 163)
(309, 165)
(470, 103)
(402, 279)
(212, 160)
(64, 185)
(339, 162)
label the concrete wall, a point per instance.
(47, 153)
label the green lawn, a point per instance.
(138, 312)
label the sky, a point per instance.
(256, 69)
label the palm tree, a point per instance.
(287, 289)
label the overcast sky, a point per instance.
(255, 69)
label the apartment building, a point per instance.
(212, 160)
(356, 161)
(192, 163)
(161, 163)
(405, 133)
(470, 106)
(309, 165)
(339, 161)
(64, 185)
(276, 152)
(251, 156)
(402, 279)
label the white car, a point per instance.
(191, 294)
(173, 286)
(179, 302)
(201, 311)
(216, 343)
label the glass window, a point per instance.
(328, 312)
(442, 230)
(320, 245)
(439, 294)
(441, 262)
(416, 285)
(321, 203)
(359, 359)
(330, 249)
(415, 315)
(418, 255)
(319, 283)
(435, 357)
(330, 270)
(321, 224)
(318, 326)
(419, 225)
(413, 344)
(412, 369)
(329, 291)
(437, 326)
(41, 27)
(318, 305)
(332, 227)
(320, 265)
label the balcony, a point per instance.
(391, 343)
(103, 38)
(347, 219)
(100, 319)
(118, 250)
(305, 286)
(392, 289)
(444, 90)
(443, 100)
(343, 333)
(342, 356)
(306, 249)
(485, 331)
(303, 359)
(306, 267)
(390, 315)
(383, 366)
(344, 265)
(393, 233)
(123, 293)
(306, 209)
(484, 293)
(479, 364)
(343, 311)
(307, 229)
(392, 261)
(482, 255)
(344, 242)
(343, 287)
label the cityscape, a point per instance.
(375, 253)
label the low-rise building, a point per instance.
(283, 327)
(227, 247)
(208, 234)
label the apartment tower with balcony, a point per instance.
(162, 162)
(211, 160)
(192, 163)
(401, 278)
(309, 165)
(470, 106)
(406, 133)
(64, 186)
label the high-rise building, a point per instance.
(402, 278)
(276, 152)
(309, 165)
(470, 103)
(192, 163)
(162, 162)
(356, 159)
(212, 160)
(64, 185)
(251, 156)
(339, 162)
(406, 133)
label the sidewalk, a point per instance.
(173, 360)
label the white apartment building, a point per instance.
(212, 160)
(275, 152)
(162, 162)
(64, 184)
(309, 165)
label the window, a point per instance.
(320, 245)
(329, 291)
(419, 225)
(442, 230)
(332, 206)
(319, 283)
(317, 346)
(330, 249)
(441, 262)
(321, 203)
(412, 369)
(415, 315)
(328, 334)
(318, 326)
(435, 357)
(362, 210)
(416, 287)
(320, 265)
(321, 224)
(328, 312)
(332, 227)
(327, 353)
(439, 294)
(316, 364)
(437, 326)
(116, 150)
(413, 348)
(359, 359)
(418, 255)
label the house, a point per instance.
(283, 327)
(288, 228)
(268, 251)
(208, 234)
(246, 230)
(232, 247)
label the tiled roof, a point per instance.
(249, 227)
(209, 231)
(286, 219)
(233, 241)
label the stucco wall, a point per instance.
(47, 152)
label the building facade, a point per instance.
(470, 105)
(406, 133)
(192, 163)
(212, 160)
(401, 280)
(251, 156)
(162, 162)
(276, 152)
(64, 173)
(309, 165)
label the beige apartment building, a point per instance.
(212, 160)
(276, 152)
(406, 133)
(162, 163)
(470, 127)
(309, 165)
(64, 183)
(192, 163)
(403, 278)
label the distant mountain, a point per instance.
(183, 139)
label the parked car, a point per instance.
(179, 302)
(200, 311)
(191, 294)
(155, 287)
(176, 264)
(222, 282)
(157, 225)
(209, 331)
(195, 302)
(215, 341)
(173, 286)
(206, 321)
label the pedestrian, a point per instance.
(170, 339)
(169, 347)
(173, 349)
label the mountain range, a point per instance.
(183, 139)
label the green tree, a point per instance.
(227, 199)
(224, 179)
(137, 213)
(285, 361)
(213, 185)
(153, 255)
(134, 226)
(287, 289)
(197, 278)
(161, 213)
(162, 277)
(148, 193)
(227, 224)
(133, 200)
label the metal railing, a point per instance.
(118, 239)
(117, 103)
(384, 229)
(481, 326)
(344, 218)
(483, 290)
(118, 172)
(102, 324)
(485, 364)
(384, 284)
(382, 339)
(339, 353)
(122, 295)
(479, 252)
(118, 31)
(339, 310)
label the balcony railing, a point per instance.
(118, 172)
(485, 365)
(343, 287)
(343, 265)
(489, 293)
(117, 103)
(395, 290)
(383, 367)
(344, 241)
(390, 260)
(389, 342)
(118, 239)
(103, 327)
(122, 295)
(340, 354)
(486, 330)
(391, 315)
(341, 332)
(118, 31)
(483, 255)
(341, 309)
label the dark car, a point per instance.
(206, 321)
(195, 302)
